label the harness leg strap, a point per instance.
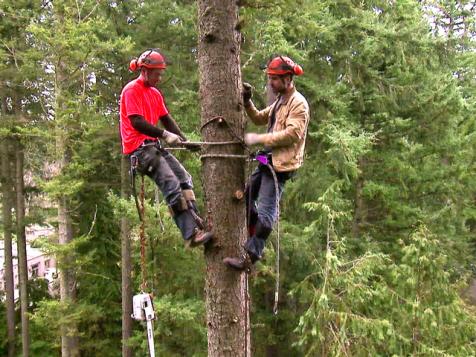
(189, 196)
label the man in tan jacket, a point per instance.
(287, 120)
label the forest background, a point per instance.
(377, 230)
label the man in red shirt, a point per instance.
(141, 108)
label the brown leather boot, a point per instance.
(200, 237)
(239, 263)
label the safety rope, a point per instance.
(143, 285)
(190, 145)
(247, 295)
(276, 189)
(202, 143)
(140, 205)
(226, 156)
(247, 319)
(222, 120)
(142, 303)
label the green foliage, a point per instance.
(180, 327)
(177, 328)
(377, 229)
(372, 305)
(52, 315)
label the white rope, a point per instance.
(276, 291)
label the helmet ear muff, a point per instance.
(297, 69)
(133, 66)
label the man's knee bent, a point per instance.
(263, 229)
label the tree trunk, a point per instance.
(69, 333)
(126, 265)
(220, 94)
(7, 191)
(69, 340)
(21, 247)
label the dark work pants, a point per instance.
(171, 177)
(262, 206)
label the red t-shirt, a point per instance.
(137, 99)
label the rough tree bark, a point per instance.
(21, 247)
(126, 265)
(7, 204)
(220, 96)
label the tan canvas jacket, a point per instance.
(288, 136)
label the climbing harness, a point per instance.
(133, 173)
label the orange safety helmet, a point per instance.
(282, 65)
(149, 59)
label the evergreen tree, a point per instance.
(219, 65)
(376, 230)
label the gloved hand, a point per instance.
(171, 138)
(247, 93)
(253, 139)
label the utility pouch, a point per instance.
(145, 156)
(178, 207)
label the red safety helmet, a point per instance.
(149, 59)
(282, 65)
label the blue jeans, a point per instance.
(171, 178)
(262, 206)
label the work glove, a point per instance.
(247, 93)
(171, 138)
(253, 139)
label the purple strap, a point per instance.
(262, 159)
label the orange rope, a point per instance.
(142, 237)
